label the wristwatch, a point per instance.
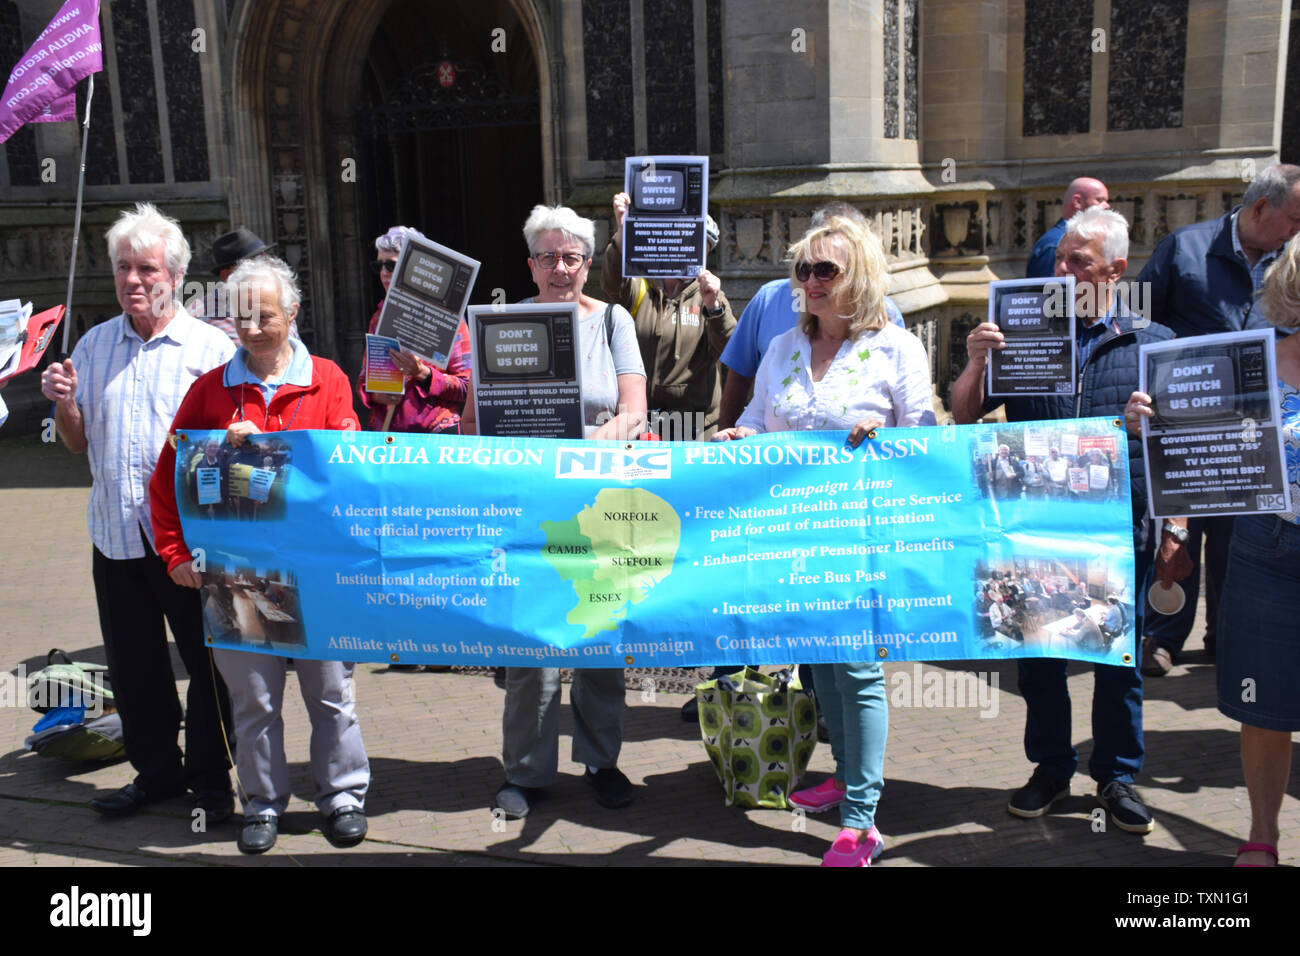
(714, 313)
(1178, 532)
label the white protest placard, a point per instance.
(1036, 318)
(426, 299)
(663, 231)
(527, 377)
(1214, 440)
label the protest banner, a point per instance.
(1036, 318)
(426, 299)
(663, 232)
(41, 84)
(777, 548)
(1214, 441)
(527, 377)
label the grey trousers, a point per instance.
(530, 725)
(338, 756)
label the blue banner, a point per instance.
(982, 541)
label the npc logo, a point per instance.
(618, 464)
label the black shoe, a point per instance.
(218, 806)
(499, 677)
(1037, 796)
(691, 711)
(613, 789)
(1126, 808)
(346, 826)
(258, 834)
(515, 801)
(823, 732)
(124, 802)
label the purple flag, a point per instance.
(40, 87)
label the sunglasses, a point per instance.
(382, 265)
(823, 270)
(549, 260)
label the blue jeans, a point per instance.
(1117, 749)
(852, 698)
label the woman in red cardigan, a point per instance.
(272, 384)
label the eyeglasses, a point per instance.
(549, 260)
(823, 270)
(383, 265)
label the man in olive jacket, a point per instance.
(682, 326)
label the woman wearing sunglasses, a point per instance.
(844, 366)
(434, 398)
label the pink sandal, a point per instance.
(1257, 848)
(847, 850)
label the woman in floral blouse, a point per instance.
(844, 366)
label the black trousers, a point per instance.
(134, 597)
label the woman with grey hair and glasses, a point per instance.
(560, 246)
(272, 384)
(433, 397)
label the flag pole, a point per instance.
(76, 224)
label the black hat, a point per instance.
(234, 246)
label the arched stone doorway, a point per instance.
(344, 124)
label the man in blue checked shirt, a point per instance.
(115, 398)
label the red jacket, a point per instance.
(326, 403)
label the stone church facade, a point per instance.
(953, 124)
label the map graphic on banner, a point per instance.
(773, 549)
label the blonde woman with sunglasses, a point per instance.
(844, 366)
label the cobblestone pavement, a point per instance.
(434, 743)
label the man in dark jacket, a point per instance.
(1083, 193)
(1202, 279)
(1095, 251)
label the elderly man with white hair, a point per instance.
(1094, 250)
(115, 398)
